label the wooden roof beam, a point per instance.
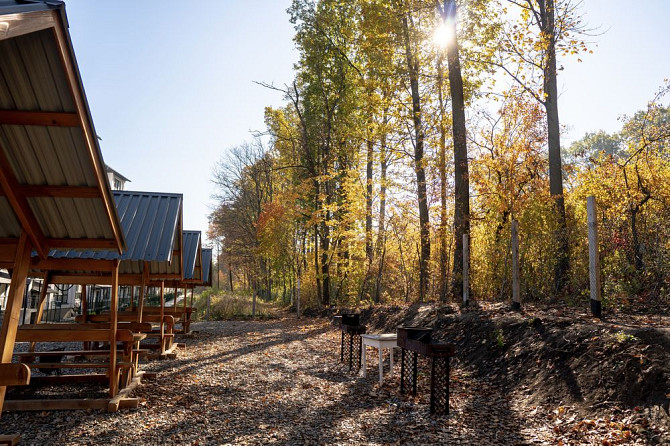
(14, 25)
(80, 279)
(34, 191)
(20, 205)
(81, 243)
(8, 251)
(50, 119)
(73, 265)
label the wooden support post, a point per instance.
(10, 322)
(594, 257)
(466, 270)
(40, 306)
(145, 277)
(191, 297)
(162, 324)
(84, 311)
(184, 323)
(516, 288)
(84, 303)
(113, 319)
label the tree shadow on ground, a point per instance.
(189, 365)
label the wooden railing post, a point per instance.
(113, 319)
(10, 322)
(40, 306)
(84, 303)
(162, 325)
(594, 257)
(516, 286)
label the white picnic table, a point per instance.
(380, 342)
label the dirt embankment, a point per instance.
(552, 357)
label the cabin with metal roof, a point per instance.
(116, 180)
(152, 225)
(54, 193)
(207, 267)
(192, 257)
(152, 228)
(192, 266)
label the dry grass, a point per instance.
(226, 305)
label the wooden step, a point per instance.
(75, 365)
(9, 440)
(66, 353)
(14, 375)
(56, 404)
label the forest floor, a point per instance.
(538, 377)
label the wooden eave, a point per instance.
(15, 25)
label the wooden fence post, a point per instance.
(466, 270)
(594, 257)
(516, 287)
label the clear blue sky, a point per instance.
(171, 83)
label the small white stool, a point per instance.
(379, 341)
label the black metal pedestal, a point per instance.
(417, 340)
(350, 350)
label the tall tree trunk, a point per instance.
(368, 201)
(554, 143)
(381, 232)
(261, 285)
(297, 293)
(461, 177)
(325, 248)
(317, 272)
(424, 223)
(230, 273)
(378, 285)
(325, 265)
(442, 167)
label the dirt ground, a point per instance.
(517, 379)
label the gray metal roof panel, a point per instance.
(207, 266)
(150, 221)
(191, 255)
(33, 78)
(19, 6)
(9, 225)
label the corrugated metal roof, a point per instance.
(192, 254)
(18, 6)
(207, 266)
(151, 223)
(33, 78)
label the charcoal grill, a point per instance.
(350, 343)
(416, 341)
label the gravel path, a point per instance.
(278, 382)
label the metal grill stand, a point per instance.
(417, 340)
(350, 342)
